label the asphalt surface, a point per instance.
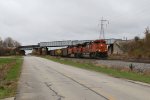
(42, 79)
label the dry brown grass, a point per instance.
(9, 73)
(146, 72)
(138, 48)
(4, 69)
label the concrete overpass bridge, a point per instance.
(70, 42)
(29, 47)
(43, 46)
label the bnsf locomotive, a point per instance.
(94, 49)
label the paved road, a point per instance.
(42, 79)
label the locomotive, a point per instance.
(93, 49)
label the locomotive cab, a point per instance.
(99, 48)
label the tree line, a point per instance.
(8, 46)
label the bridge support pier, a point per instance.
(35, 51)
(22, 52)
(110, 49)
(44, 51)
(39, 52)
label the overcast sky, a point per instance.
(33, 21)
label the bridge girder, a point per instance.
(70, 42)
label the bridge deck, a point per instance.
(70, 42)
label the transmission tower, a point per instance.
(102, 30)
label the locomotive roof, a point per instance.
(98, 41)
(86, 43)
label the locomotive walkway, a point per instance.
(42, 79)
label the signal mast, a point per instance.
(102, 30)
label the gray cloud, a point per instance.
(33, 21)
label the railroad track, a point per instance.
(140, 66)
(125, 60)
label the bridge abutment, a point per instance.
(44, 51)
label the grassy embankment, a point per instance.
(138, 48)
(110, 71)
(9, 74)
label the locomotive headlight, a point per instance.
(99, 50)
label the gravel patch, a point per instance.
(12, 98)
(136, 65)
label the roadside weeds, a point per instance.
(9, 75)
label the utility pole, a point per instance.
(102, 31)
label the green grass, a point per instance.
(110, 71)
(8, 85)
(14, 72)
(6, 61)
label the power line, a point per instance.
(102, 30)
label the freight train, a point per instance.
(93, 49)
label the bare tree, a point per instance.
(16, 43)
(8, 46)
(136, 38)
(147, 33)
(1, 42)
(9, 42)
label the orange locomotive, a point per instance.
(94, 49)
(98, 48)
